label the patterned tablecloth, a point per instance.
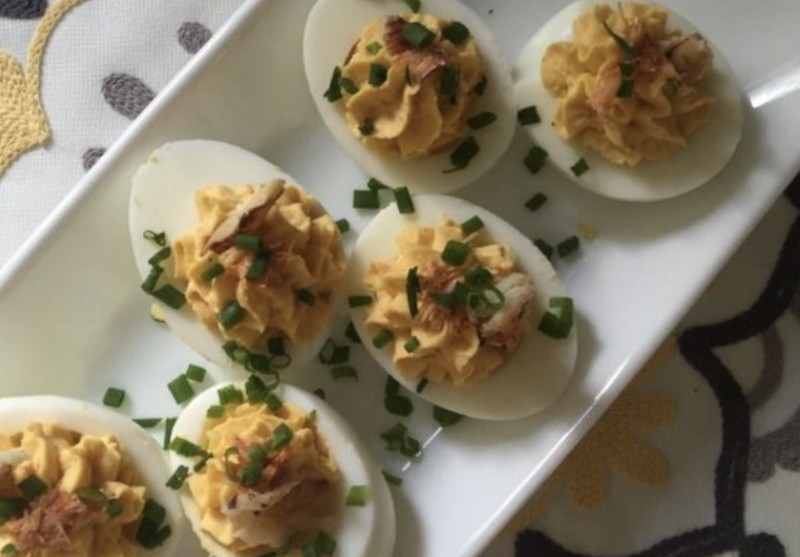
(697, 458)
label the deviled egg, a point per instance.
(462, 309)
(260, 259)
(79, 480)
(422, 100)
(630, 102)
(277, 470)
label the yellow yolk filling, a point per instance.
(450, 348)
(305, 461)
(305, 254)
(665, 106)
(67, 461)
(409, 114)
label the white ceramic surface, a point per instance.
(73, 320)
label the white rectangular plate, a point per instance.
(73, 320)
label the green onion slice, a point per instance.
(344, 372)
(448, 85)
(359, 301)
(535, 159)
(212, 272)
(147, 423)
(215, 412)
(367, 127)
(444, 417)
(384, 337)
(417, 35)
(374, 47)
(357, 496)
(281, 436)
(546, 249)
(348, 85)
(421, 386)
(32, 487)
(161, 255)
(230, 395)
(377, 75)
(392, 480)
(258, 265)
(481, 120)
(463, 154)
(528, 115)
(472, 225)
(366, 199)
(351, 334)
(158, 238)
(535, 203)
(178, 477)
(231, 315)
(151, 281)
(343, 225)
(412, 289)
(195, 373)
(403, 198)
(181, 389)
(455, 253)
(398, 405)
(580, 167)
(114, 397)
(92, 496)
(568, 246)
(169, 424)
(456, 32)
(414, 5)
(334, 92)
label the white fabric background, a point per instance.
(101, 37)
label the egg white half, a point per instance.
(146, 456)
(537, 371)
(162, 199)
(358, 531)
(708, 149)
(334, 26)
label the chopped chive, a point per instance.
(158, 238)
(92, 496)
(482, 120)
(348, 85)
(195, 373)
(535, 203)
(392, 480)
(480, 87)
(375, 184)
(321, 545)
(178, 477)
(455, 32)
(248, 242)
(255, 389)
(169, 424)
(273, 402)
(414, 5)
(320, 393)
(463, 154)
(455, 253)
(580, 167)
(559, 323)
(472, 225)
(377, 75)
(185, 448)
(535, 159)
(258, 265)
(568, 246)
(147, 423)
(444, 299)
(331, 354)
(544, 247)
(306, 296)
(374, 47)
(351, 334)
(10, 508)
(171, 296)
(181, 389)
(392, 386)
(359, 301)
(212, 272)
(150, 533)
(149, 284)
(161, 255)
(276, 345)
(215, 412)
(669, 88)
(528, 115)
(398, 405)
(230, 315)
(627, 50)
(411, 344)
(154, 512)
(367, 127)
(444, 417)
(448, 85)
(334, 92)
(412, 289)
(230, 395)
(626, 88)
(10, 549)
(32, 487)
(627, 69)
(281, 436)
(344, 372)
(421, 386)
(114, 508)
(384, 337)
(366, 199)
(113, 397)
(417, 35)
(398, 441)
(402, 196)
(343, 225)
(357, 496)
